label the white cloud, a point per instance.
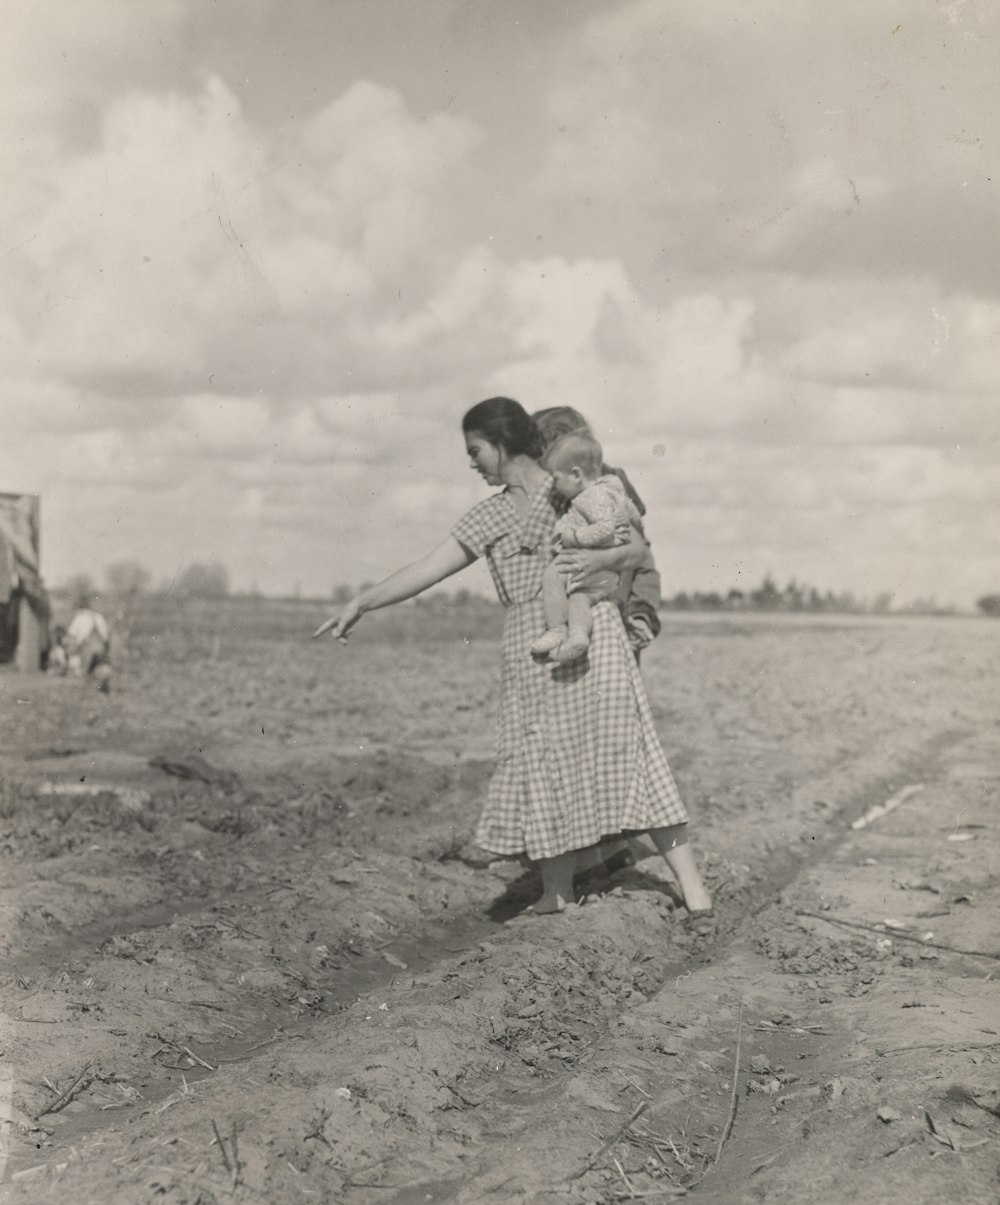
(750, 237)
(716, 135)
(187, 242)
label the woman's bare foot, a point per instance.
(672, 843)
(696, 898)
(557, 884)
(701, 922)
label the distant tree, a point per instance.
(209, 580)
(127, 578)
(342, 595)
(767, 596)
(883, 603)
(79, 585)
(461, 598)
(793, 598)
(989, 604)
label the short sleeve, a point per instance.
(481, 526)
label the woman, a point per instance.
(577, 755)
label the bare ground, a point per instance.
(291, 976)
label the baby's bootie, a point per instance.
(548, 642)
(575, 646)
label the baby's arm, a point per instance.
(601, 512)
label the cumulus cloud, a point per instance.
(782, 135)
(746, 241)
(159, 252)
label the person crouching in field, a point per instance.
(88, 644)
(578, 757)
(600, 515)
(57, 661)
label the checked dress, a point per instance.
(577, 756)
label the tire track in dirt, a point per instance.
(408, 1067)
(636, 905)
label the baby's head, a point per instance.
(575, 461)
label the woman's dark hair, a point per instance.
(505, 424)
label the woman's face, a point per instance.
(484, 458)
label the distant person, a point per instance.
(88, 644)
(578, 757)
(599, 515)
(57, 660)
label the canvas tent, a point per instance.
(24, 604)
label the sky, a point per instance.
(260, 257)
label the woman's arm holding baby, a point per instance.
(581, 562)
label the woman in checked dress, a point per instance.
(578, 758)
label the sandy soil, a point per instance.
(250, 952)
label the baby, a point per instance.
(600, 515)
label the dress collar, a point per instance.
(535, 528)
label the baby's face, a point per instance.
(568, 482)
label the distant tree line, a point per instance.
(342, 594)
(799, 597)
(768, 596)
(126, 581)
(129, 580)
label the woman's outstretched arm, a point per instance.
(412, 579)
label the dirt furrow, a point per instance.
(320, 932)
(541, 1024)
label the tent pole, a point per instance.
(29, 627)
(29, 639)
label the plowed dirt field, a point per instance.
(251, 954)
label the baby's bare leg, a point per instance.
(581, 624)
(580, 615)
(556, 606)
